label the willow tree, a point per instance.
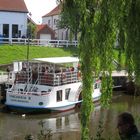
(132, 31)
(102, 23)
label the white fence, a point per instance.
(39, 42)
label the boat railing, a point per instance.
(52, 79)
(21, 77)
(34, 93)
(55, 79)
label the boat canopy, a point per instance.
(58, 60)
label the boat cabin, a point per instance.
(49, 71)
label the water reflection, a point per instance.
(67, 125)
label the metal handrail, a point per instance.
(52, 79)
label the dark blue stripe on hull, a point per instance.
(28, 110)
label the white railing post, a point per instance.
(57, 43)
(10, 40)
(25, 41)
(67, 44)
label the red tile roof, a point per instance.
(55, 11)
(45, 29)
(43, 26)
(40, 27)
(13, 5)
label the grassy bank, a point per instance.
(10, 53)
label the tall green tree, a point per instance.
(102, 23)
(71, 24)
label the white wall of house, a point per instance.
(13, 18)
(52, 21)
(44, 38)
(62, 34)
(48, 21)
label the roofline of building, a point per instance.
(14, 11)
(49, 13)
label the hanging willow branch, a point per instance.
(87, 56)
(102, 23)
(104, 40)
(133, 41)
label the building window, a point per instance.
(62, 35)
(49, 22)
(67, 92)
(67, 35)
(19, 33)
(57, 20)
(54, 21)
(6, 30)
(14, 31)
(59, 95)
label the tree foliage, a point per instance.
(31, 30)
(70, 9)
(102, 23)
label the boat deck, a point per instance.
(52, 79)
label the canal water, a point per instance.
(66, 126)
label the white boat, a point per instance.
(48, 84)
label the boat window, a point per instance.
(21, 89)
(67, 91)
(59, 95)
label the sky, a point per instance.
(38, 8)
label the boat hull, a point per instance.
(22, 109)
(47, 109)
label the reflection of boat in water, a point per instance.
(65, 124)
(48, 84)
(66, 121)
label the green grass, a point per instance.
(10, 53)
